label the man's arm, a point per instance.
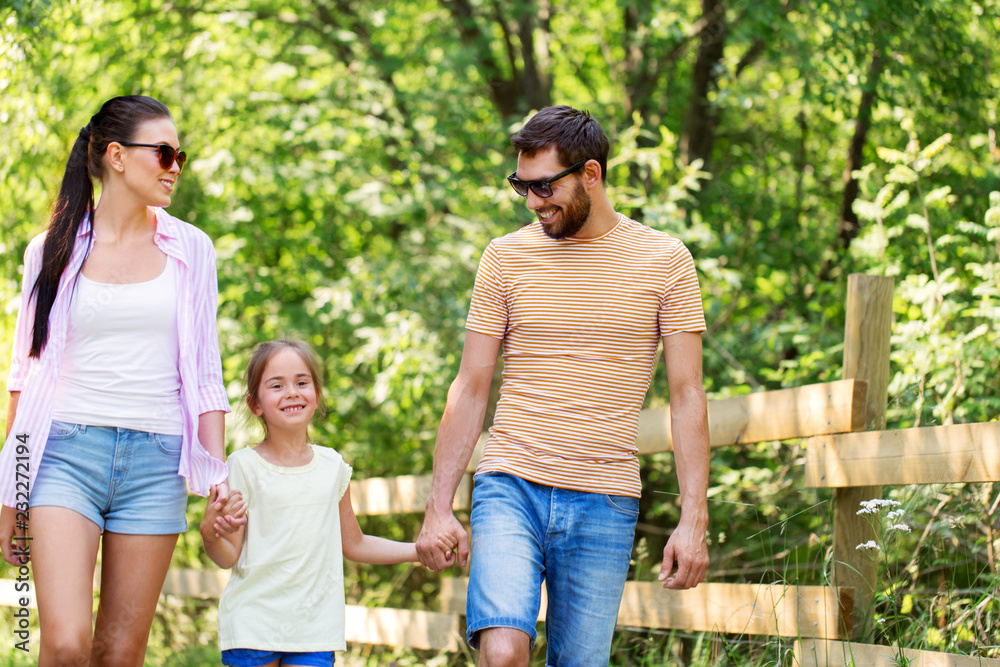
(687, 549)
(457, 436)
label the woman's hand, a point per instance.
(13, 543)
(220, 492)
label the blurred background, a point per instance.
(348, 159)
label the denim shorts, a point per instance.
(248, 657)
(123, 480)
(578, 543)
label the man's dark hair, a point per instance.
(575, 134)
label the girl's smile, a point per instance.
(286, 397)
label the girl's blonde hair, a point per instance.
(263, 353)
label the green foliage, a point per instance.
(947, 303)
(348, 158)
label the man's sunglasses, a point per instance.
(541, 188)
(167, 155)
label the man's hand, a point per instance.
(438, 531)
(688, 551)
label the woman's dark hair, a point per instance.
(575, 134)
(118, 120)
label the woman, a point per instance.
(116, 395)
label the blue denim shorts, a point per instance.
(248, 657)
(578, 543)
(123, 480)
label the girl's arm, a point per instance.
(223, 548)
(363, 548)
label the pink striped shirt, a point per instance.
(580, 321)
(200, 365)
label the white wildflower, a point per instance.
(895, 515)
(900, 527)
(875, 504)
(870, 544)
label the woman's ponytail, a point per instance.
(118, 120)
(75, 200)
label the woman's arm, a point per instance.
(212, 435)
(23, 328)
(212, 401)
(15, 396)
(363, 548)
(13, 522)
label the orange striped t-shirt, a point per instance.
(580, 321)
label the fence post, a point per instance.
(866, 357)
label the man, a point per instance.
(579, 300)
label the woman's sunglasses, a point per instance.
(541, 188)
(168, 155)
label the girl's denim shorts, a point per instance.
(123, 480)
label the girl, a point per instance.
(116, 394)
(284, 603)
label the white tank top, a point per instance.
(120, 365)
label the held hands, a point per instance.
(442, 542)
(221, 493)
(686, 549)
(224, 514)
(447, 545)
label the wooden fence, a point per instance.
(847, 449)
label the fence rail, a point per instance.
(930, 455)
(826, 653)
(743, 609)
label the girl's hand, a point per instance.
(438, 532)
(237, 506)
(233, 515)
(447, 544)
(215, 522)
(225, 525)
(12, 541)
(223, 535)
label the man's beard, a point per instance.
(574, 215)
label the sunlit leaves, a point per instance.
(946, 334)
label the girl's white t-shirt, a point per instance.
(286, 592)
(120, 365)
